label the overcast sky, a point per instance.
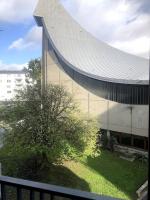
(124, 24)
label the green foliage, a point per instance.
(43, 127)
(91, 137)
(33, 72)
(109, 175)
(20, 164)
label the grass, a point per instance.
(106, 174)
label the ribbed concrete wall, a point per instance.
(110, 115)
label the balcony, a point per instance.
(44, 191)
(18, 80)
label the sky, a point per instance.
(124, 24)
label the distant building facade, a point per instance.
(10, 83)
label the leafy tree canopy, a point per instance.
(46, 125)
(33, 72)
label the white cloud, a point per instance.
(136, 29)
(15, 11)
(31, 40)
(121, 23)
(118, 22)
(4, 66)
(139, 46)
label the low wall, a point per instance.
(124, 149)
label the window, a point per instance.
(18, 85)
(16, 90)
(8, 92)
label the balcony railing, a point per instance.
(52, 191)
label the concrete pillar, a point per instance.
(108, 131)
(108, 134)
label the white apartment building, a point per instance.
(10, 83)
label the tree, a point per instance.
(33, 72)
(45, 125)
(45, 128)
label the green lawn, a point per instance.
(106, 174)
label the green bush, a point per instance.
(43, 128)
(46, 135)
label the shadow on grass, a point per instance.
(126, 176)
(55, 175)
(62, 176)
(28, 168)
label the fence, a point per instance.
(53, 191)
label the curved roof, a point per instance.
(84, 53)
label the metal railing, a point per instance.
(142, 191)
(44, 189)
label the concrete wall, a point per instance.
(110, 115)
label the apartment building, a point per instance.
(10, 83)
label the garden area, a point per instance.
(105, 174)
(109, 175)
(47, 140)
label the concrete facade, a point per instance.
(107, 83)
(125, 118)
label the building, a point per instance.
(108, 84)
(10, 83)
